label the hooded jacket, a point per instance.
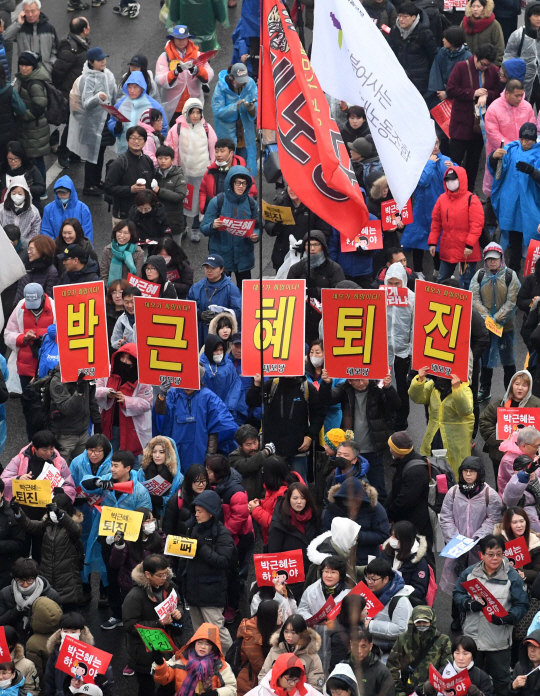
(442, 66)
(339, 541)
(70, 62)
(376, 678)
(358, 470)
(399, 319)
(21, 321)
(367, 512)
(27, 218)
(415, 52)
(415, 570)
(237, 252)
(224, 293)
(393, 619)
(524, 43)
(306, 652)
(34, 133)
(167, 288)
(210, 183)
(45, 617)
(152, 225)
(221, 378)
(411, 645)
(523, 493)
(39, 37)
(458, 219)
(175, 669)
(453, 416)
(234, 503)
(27, 668)
(170, 470)
(473, 517)
(133, 108)
(193, 145)
(484, 30)
(19, 466)
(56, 212)
(524, 666)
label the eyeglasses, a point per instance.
(95, 450)
(493, 555)
(25, 581)
(373, 578)
(243, 184)
(484, 64)
(292, 680)
(161, 576)
(136, 139)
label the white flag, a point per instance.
(12, 267)
(354, 63)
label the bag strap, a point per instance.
(521, 43)
(414, 664)
(470, 73)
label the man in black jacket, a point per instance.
(365, 659)
(124, 173)
(80, 268)
(12, 539)
(370, 412)
(68, 67)
(249, 460)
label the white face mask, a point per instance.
(17, 198)
(452, 184)
(394, 543)
(317, 362)
(167, 259)
(218, 357)
(4, 683)
(53, 517)
(222, 164)
(423, 628)
(63, 634)
(149, 527)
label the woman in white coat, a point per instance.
(88, 134)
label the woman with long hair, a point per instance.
(406, 551)
(179, 510)
(40, 266)
(123, 255)
(517, 525)
(71, 232)
(160, 458)
(256, 634)
(114, 304)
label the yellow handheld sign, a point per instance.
(180, 546)
(117, 520)
(492, 326)
(277, 213)
(33, 493)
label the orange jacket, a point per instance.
(192, 52)
(251, 654)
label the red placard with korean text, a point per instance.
(373, 606)
(442, 112)
(479, 593)
(268, 565)
(323, 614)
(509, 419)
(83, 344)
(369, 237)
(517, 552)
(283, 319)
(167, 342)
(5, 655)
(390, 214)
(147, 288)
(82, 661)
(113, 111)
(533, 254)
(238, 228)
(396, 297)
(458, 684)
(188, 200)
(442, 330)
(354, 328)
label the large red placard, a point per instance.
(481, 594)
(354, 328)
(370, 237)
(458, 684)
(167, 342)
(510, 419)
(517, 552)
(83, 344)
(82, 661)
(390, 215)
(283, 318)
(442, 330)
(373, 605)
(533, 254)
(268, 565)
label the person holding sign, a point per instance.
(526, 676)
(516, 525)
(463, 656)
(160, 461)
(523, 489)
(494, 637)
(178, 510)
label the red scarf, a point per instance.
(475, 26)
(128, 436)
(299, 520)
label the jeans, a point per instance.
(298, 463)
(497, 664)
(447, 269)
(470, 151)
(401, 372)
(375, 475)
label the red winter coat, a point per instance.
(234, 503)
(459, 216)
(26, 363)
(459, 89)
(207, 190)
(263, 512)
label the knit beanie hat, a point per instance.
(528, 131)
(333, 438)
(29, 58)
(401, 443)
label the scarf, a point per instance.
(24, 600)
(121, 254)
(316, 260)
(197, 669)
(299, 520)
(470, 490)
(391, 589)
(475, 26)
(458, 669)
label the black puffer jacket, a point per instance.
(167, 288)
(41, 271)
(381, 409)
(87, 274)
(70, 61)
(12, 542)
(152, 225)
(416, 53)
(530, 288)
(415, 569)
(11, 616)
(408, 499)
(524, 666)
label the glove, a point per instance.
(80, 383)
(524, 167)
(118, 127)
(270, 448)
(92, 484)
(53, 507)
(507, 620)
(194, 70)
(105, 485)
(109, 540)
(523, 476)
(98, 430)
(154, 184)
(15, 506)
(164, 389)
(207, 315)
(473, 691)
(179, 68)
(157, 657)
(533, 466)
(119, 539)
(474, 606)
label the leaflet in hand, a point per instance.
(458, 546)
(156, 485)
(51, 473)
(167, 606)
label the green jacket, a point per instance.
(34, 132)
(410, 645)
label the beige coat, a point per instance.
(307, 653)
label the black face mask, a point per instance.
(444, 386)
(342, 463)
(128, 373)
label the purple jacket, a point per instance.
(513, 493)
(474, 517)
(122, 559)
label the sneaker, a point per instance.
(484, 395)
(111, 623)
(44, 197)
(64, 161)
(77, 6)
(121, 11)
(229, 615)
(435, 275)
(128, 672)
(195, 236)
(92, 191)
(133, 10)
(98, 3)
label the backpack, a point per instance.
(57, 111)
(437, 21)
(75, 104)
(507, 276)
(437, 466)
(252, 205)
(233, 657)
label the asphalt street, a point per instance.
(123, 38)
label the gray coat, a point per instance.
(34, 132)
(529, 52)
(39, 37)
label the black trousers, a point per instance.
(515, 244)
(401, 372)
(92, 172)
(467, 154)
(114, 594)
(418, 260)
(508, 25)
(240, 276)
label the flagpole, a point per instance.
(260, 106)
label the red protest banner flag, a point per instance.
(481, 594)
(5, 655)
(517, 552)
(113, 111)
(355, 333)
(442, 330)
(442, 112)
(370, 237)
(533, 254)
(312, 155)
(167, 342)
(286, 567)
(458, 684)
(283, 316)
(147, 288)
(323, 612)
(83, 343)
(373, 605)
(203, 58)
(188, 200)
(510, 419)
(390, 215)
(82, 661)
(238, 228)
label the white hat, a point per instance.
(89, 690)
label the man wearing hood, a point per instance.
(79, 267)
(524, 43)
(400, 332)
(364, 663)
(456, 226)
(220, 375)
(324, 273)
(66, 204)
(154, 270)
(515, 194)
(493, 637)
(132, 106)
(526, 676)
(414, 651)
(237, 204)
(495, 289)
(413, 42)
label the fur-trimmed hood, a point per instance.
(139, 578)
(17, 654)
(338, 541)
(54, 640)
(212, 326)
(486, 12)
(311, 648)
(417, 555)
(170, 461)
(341, 491)
(534, 537)
(375, 184)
